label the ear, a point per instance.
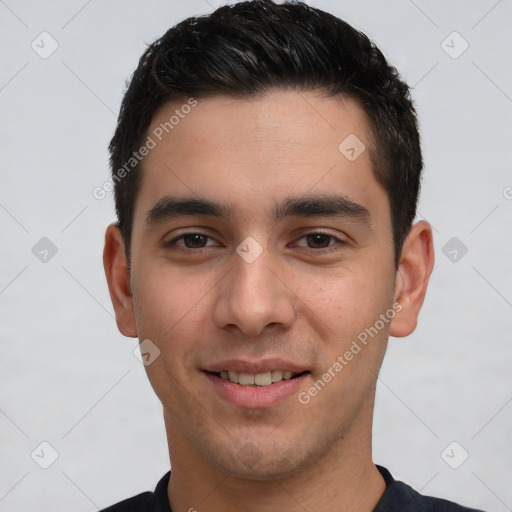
(414, 269)
(118, 279)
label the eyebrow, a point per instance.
(312, 206)
(169, 207)
(307, 206)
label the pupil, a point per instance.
(318, 240)
(194, 241)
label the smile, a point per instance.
(256, 380)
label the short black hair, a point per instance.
(252, 47)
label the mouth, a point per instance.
(256, 385)
(257, 380)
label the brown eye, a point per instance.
(191, 240)
(318, 240)
(195, 241)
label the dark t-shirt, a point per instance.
(398, 497)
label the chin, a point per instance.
(261, 464)
(264, 471)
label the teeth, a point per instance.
(246, 379)
(258, 379)
(276, 376)
(263, 379)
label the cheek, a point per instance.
(347, 301)
(175, 318)
(164, 300)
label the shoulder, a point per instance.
(399, 497)
(147, 501)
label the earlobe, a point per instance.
(118, 279)
(413, 273)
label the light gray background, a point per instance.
(70, 379)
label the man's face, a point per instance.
(259, 248)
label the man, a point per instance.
(267, 167)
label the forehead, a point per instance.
(291, 120)
(244, 151)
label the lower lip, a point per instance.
(256, 397)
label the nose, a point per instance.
(253, 296)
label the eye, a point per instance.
(318, 241)
(192, 241)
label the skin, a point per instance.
(303, 300)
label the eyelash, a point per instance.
(331, 247)
(174, 241)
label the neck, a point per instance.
(345, 479)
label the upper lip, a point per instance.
(254, 367)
